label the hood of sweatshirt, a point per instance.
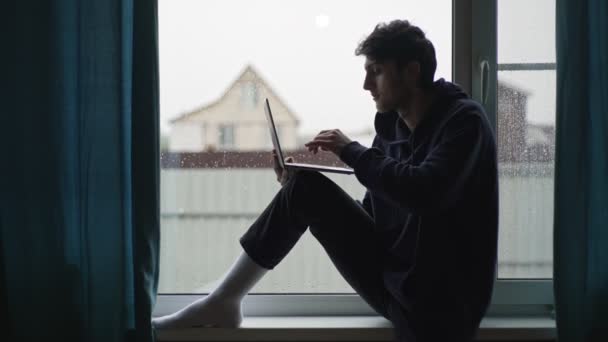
(391, 129)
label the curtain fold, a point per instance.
(581, 183)
(146, 164)
(79, 214)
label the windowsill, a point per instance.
(352, 328)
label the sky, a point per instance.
(305, 50)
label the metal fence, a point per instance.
(205, 211)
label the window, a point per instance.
(226, 136)
(496, 43)
(249, 95)
(526, 136)
(301, 56)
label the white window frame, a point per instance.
(474, 48)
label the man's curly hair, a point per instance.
(401, 42)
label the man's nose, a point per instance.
(366, 83)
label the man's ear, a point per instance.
(412, 73)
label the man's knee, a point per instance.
(308, 180)
(307, 191)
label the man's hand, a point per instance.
(329, 140)
(282, 174)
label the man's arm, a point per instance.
(367, 203)
(437, 182)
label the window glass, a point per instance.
(226, 136)
(218, 60)
(526, 136)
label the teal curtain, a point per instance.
(581, 184)
(79, 214)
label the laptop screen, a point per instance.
(273, 133)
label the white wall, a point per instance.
(186, 137)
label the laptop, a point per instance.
(277, 146)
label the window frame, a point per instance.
(475, 68)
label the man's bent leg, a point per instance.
(279, 227)
(222, 307)
(338, 222)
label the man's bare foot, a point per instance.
(204, 312)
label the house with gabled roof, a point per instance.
(236, 120)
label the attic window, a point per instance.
(249, 95)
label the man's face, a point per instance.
(387, 84)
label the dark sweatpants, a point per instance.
(341, 225)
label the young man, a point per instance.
(420, 248)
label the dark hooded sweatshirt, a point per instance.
(433, 194)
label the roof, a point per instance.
(260, 80)
(509, 86)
